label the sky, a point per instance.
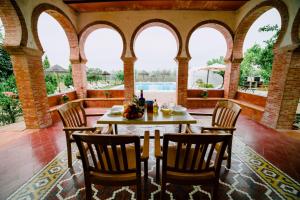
(155, 47)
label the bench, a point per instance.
(253, 111)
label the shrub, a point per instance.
(10, 108)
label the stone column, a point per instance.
(231, 78)
(284, 89)
(182, 80)
(30, 79)
(129, 76)
(79, 77)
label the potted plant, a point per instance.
(64, 98)
(107, 94)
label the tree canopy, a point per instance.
(258, 59)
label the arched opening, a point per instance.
(56, 58)
(258, 45)
(156, 68)
(103, 47)
(208, 49)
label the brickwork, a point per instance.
(79, 77)
(296, 29)
(129, 76)
(231, 79)
(278, 88)
(182, 80)
(14, 23)
(291, 93)
(63, 20)
(31, 86)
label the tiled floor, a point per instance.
(25, 152)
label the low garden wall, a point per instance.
(196, 98)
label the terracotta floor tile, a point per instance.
(24, 152)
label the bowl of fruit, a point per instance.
(132, 111)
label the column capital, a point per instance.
(237, 60)
(20, 50)
(183, 58)
(286, 48)
(129, 59)
(78, 61)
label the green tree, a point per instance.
(219, 60)
(51, 83)
(260, 57)
(6, 69)
(68, 80)
(119, 75)
(46, 63)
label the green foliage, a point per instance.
(51, 83)
(46, 63)
(10, 109)
(94, 75)
(261, 57)
(6, 69)
(68, 79)
(201, 84)
(119, 76)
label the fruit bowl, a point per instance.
(132, 111)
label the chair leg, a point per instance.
(157, 169)
(214, 194)
(69, 151)
(229, 149)
(145, 172)
(138, 190)
(88, 191)
(163, 189)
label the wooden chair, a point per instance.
(190, 159)
(112, 160)
(224, 118)
(74, 120)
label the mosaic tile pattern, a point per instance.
(250, 177)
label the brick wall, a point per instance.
(231, 79)
(27, 65)
(129, 76)
(291, 93)
(277, 88)
(182, 80)
(79, 78)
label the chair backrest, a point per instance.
(225, 114)
(193, 153)
(111, 154)
(72, 114)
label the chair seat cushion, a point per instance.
(97, 177)
(188, 176)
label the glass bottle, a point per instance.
(142, 99)
(155, 106)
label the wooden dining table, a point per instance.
(182, 118)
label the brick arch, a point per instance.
(223, 28)
(251, 17)
(14, 24)
(63, 20)
(156, 22)
(88, 29)
(296, 29)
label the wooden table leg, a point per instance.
(116, 129)
(180, 128)
(188, 129)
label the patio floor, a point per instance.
(24, 152)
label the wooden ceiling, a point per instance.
(120, 5)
